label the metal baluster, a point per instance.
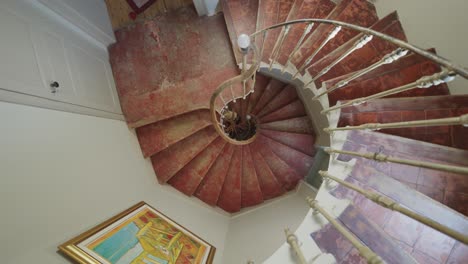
(278, 46)
(387, 59)
(298, 45)
(364, 251)
(450, 121)
(311, 57)
(358, 45)
(263, 46)
(425, 82)
(294, 243)
(393, 205)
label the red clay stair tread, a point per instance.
(158, 136)
(189, 177)
(286, 96)
(359, 12)
(162, 104)
(269, 185)
(212, 184)
(251, 192)
(300, 142)
(169, 161)
(292, 110)
(303, 9)
(230, 197)
(364, 57)
(274, 12)
(295, 159)
(284, 173)
(273, 88)
(294, 125)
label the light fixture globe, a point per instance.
(243, 41)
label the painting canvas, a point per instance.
(143, 235)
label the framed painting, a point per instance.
(139, 235)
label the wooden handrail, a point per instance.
(416, 163)
(364, 251)
(393, 205)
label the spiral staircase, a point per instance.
(236, 126)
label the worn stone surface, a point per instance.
(169, 161)
(269, 185)
(294, 125)
(230, 197)
(359, 12)
(286, 96)
(158, 136)
(301, 142)
(212, 184)
(390, 110)
(273, 88)
(251, 192)
(292, 110)
(150, 60)
(190, 176)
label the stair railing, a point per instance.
(395, 206)
(461, 120)
(229, 92)
(379, 157)
(294, 243)
(364, 251)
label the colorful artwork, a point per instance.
(143, 236)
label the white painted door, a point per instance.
(39, 48)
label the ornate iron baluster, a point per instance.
(307, 30)
(278, 46)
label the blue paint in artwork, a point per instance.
(116, 246)
(131, 255)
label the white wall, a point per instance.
(63, 173)
(435, 24)
(258, 234)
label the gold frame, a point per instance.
(71, 249)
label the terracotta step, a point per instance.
(286, 96)
(273, 88)
(230, 196)
(295, 159)
(285, 174)
(447, 188)
(303, 9)
(372, 52)
(358, 12)
(410, 234)
(300, 142)
(389, 110)
(251, 192)
(271, 12)
(393, 80)
(189, 177)
(292, 110)
(158, 136)
(331, 241)
(169, 161)
(150, 64)
(269, 185)
(241, 18)
(212, 184)
(294, 125)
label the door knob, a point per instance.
(54, 86)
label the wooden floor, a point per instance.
(119, 11)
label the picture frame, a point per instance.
(140, 234)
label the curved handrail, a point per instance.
(226, 84)
(402, 44)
